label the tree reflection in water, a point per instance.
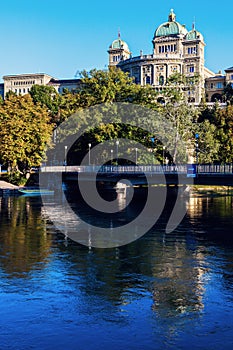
(23, 236)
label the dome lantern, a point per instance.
(172, 16)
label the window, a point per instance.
(219, 85)
(191, 69)
(191, 50)
(231, 77)
(161, 80)
(147, 80)
(211, 85)
(116, 58)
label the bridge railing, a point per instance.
(137, 169)
(215, 169)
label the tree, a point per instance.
(25, 130)
(224, 133)
(228, 93)
(48, 97)
(181, 115)
(99, 87)
(114, 85)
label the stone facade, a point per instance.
(22, 83)
(175, 50)
(214, 86)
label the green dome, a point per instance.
(119, 44)
(194, 35)
(171, 27)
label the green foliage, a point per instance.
(217, 135)
(208, 145)
(16, 178)
(112, 86)
(47, 97)
(115, 86)
(228, 94)
(224, 134)
(24, 133)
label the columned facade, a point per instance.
(175, 50)
(21, 84)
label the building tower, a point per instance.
(118, 51)
(193, 53)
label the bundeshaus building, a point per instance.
(176, 49)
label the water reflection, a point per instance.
(157, 290)
(23, 237)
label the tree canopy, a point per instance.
(25, 129)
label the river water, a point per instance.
(163, 291)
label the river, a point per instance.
(162, 291)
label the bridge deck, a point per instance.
(203, 174)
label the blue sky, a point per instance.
(61, 37)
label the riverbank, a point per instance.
(6, 187)
(200, 189)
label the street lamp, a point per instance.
(117, 144)
(136, 155)
(89, 154)
(196, 147)
(153, 149)
(65, 162)
(163, 153)
(111, 156)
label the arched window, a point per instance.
(161, 80)
(216, 97)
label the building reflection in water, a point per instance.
(174, 263)
(166, 274)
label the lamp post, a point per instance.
(111, 155)
(163, 153)
(89, 154)
(196, 147)
(65, 162)
(136, 155)
(197, 150)
(117, 144)
(153, 144)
